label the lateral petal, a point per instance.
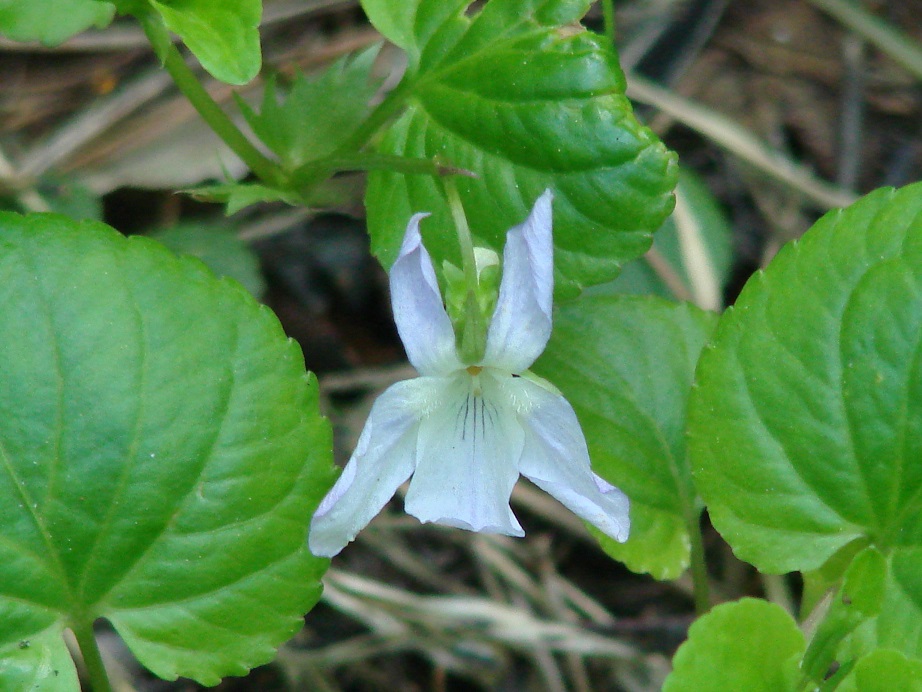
(521, 323)
(423, 324)
(384, 457)
(468, 448)
(556, 459)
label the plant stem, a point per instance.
(92, 659)
(464, 234)
(314, 170)
(267, 170)
(698, 568)
(608, 17)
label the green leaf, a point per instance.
(317, 115)
(51, 21)
(699, 258)
(219, 247)
(749, 645)
(527, 100)
(223, 34)
(162, 453)
(899, 625)
(238, 196)
(625, 363)
(884, 670)
(858, 600)
(806, 424)
(39, 664)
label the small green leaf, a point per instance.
(51, 21)
(527, 100)
(38, 663)
(806, 424)
(317, 115)
(884, 670)
(749, 645)
(238, 196)
(858, 600)
(223, 34)
(625, 363)
(219, 247)
(162, 453)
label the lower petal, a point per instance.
(468, 449)
(384, 457)
(556, 459)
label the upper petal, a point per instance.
(384, 457)
(468, 448)
(556, 459)
(521, 323)
(422, 322)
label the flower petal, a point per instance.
(422, 322)
(521, 323)
(384, 457)
(468, 448)
(556, 459)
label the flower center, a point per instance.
(474, 370)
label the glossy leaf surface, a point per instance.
(806, 425)
(161, 452)
(525, 98)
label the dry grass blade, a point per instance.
(733, 137)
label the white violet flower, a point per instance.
(466, 430)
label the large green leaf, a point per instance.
(51, 21)
(806, 425)
(625, 363)
(749, 645)
(161, 451)
(223, 34)
(526, 99)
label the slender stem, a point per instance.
(699, 572)
(92, 659)
(464, 234)
(608, 16)
(362, 161)
(211, 112)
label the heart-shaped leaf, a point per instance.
(161, 453)
(806, 424)
(524, 97)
